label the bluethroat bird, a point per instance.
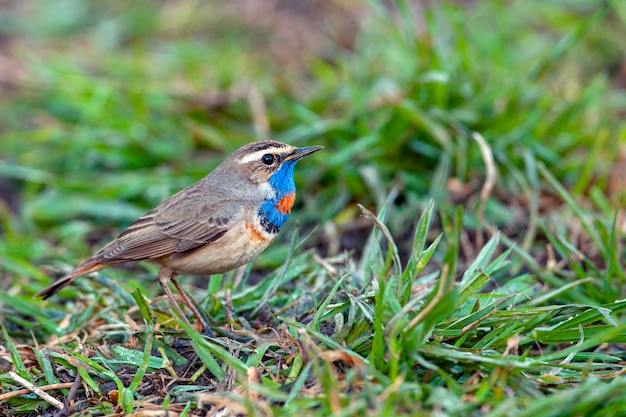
(216, 225)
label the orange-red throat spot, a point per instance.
(286, 203)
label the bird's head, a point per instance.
(270, 161)
(269, 165)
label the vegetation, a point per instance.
(455, 250)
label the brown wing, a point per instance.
(181, 223)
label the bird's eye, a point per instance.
(267, 159)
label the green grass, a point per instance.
(403, 284)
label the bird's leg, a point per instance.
(165, 276)
(191, 304)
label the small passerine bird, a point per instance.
(215, 225)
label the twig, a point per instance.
(241, 271)
(39, 391)
(326, 265)
(8, 395)
(443, 283)
(71, 396)
(253, 378)
(385, 231)
(490, 181)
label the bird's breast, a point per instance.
(243, 241)
(274, 212)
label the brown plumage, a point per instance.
(210, 227)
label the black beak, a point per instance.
(302, 152)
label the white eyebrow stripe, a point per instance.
(256, 156)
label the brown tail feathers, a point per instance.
(85, 268)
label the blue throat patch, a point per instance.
(283, 184)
